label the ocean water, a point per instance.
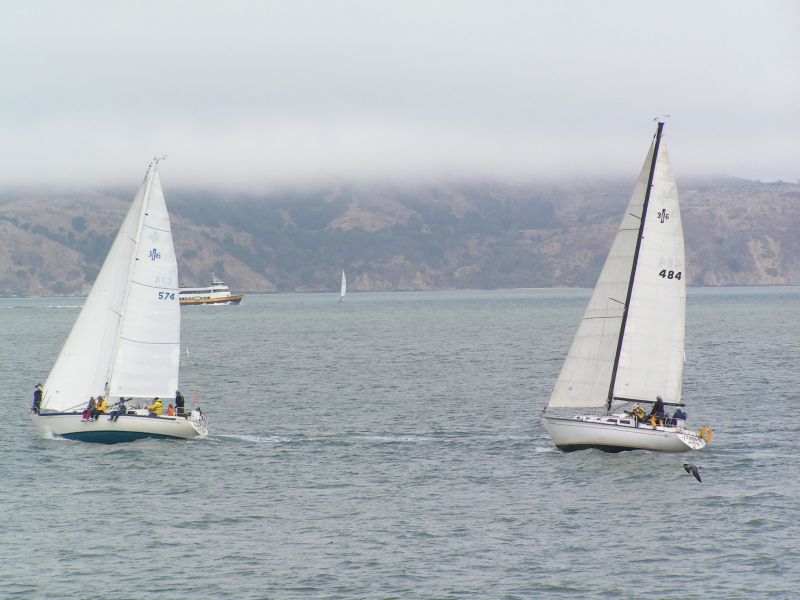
(390, 447)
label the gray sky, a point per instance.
(263, 93)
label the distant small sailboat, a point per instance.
(343, 290)
(629, 348)
(125, 344)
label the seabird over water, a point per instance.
(694, 470)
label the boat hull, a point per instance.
(571, 434)
(126, 428)
(226, 300)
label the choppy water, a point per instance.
(390, 447)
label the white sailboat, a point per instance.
(126, 340)
(343, 290)
(629, 348)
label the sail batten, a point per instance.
(618, 351)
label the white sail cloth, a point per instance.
(126, 340)
(651, 356)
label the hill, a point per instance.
(390, 238)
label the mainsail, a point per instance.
(638, 355)
(343, 291)
(126, 340)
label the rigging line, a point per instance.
(127, 339)
(638, 401)
(653, 161)
(609, 317)
(68, 409)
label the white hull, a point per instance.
(218, 300)
(572, 434)
(216, 293)
(125, 429)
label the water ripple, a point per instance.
(392, 449)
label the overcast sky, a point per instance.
(264, 93)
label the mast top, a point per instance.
(154, 163)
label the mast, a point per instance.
(633, 266)
(146, 201)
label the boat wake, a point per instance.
(36, 307)
(255, 439)
(382, 438)
(49, 435)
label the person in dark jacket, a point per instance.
(658, 411)
(179, 402)
(120, 410)
(37, 398)
(679, 415)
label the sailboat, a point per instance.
(628, 352)
(343, 290)
(125, 342)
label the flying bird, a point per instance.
(694, 470)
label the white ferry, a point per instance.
(217, 293)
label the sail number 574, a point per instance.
(166, 295)
(670, 274)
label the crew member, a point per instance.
(37, 398)
(156, 408)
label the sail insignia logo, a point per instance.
(663, 216)
(154, 254)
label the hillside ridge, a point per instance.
(479, 235)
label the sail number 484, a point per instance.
(166, 295)
(670, 274)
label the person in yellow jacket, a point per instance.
(156, 408)
(100, 408)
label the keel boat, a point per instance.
(628, 352)
(126, 340)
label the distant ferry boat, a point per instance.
(216, 293)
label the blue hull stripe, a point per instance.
(113, 437)
(604, 448)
